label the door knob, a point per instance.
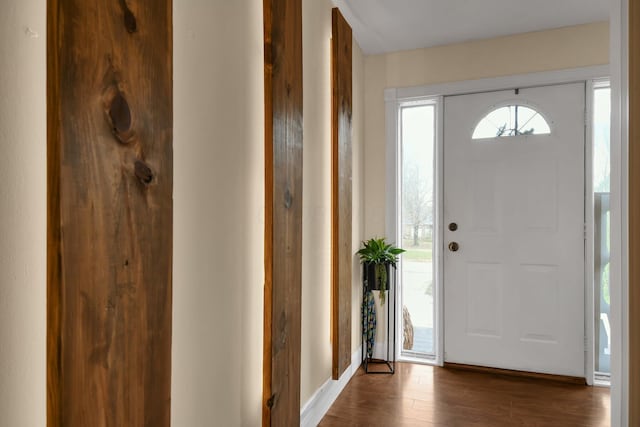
(453, 246)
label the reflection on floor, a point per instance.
(421, 395)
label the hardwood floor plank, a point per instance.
(421, 395)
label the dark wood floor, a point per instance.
(419, 395)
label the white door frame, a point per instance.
(396, 97)
(619, 60)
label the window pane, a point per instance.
(601, 137)
(525, 114)
(418, 140)
(601, 187)
(536, 126)
(510, 121)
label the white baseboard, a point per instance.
(317, 406)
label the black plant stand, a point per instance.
(390, 361)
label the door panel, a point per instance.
(514, 291)
(484, 298)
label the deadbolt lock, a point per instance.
(453, 226)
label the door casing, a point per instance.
(397, 97)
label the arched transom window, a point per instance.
(511, 120)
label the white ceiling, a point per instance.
(381, 26)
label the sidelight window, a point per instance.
(418, 138)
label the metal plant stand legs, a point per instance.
(369, 326)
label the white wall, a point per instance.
(569, 47)
(218, 210)
(23, 214)
(316, 191)
(358, 123)
(218, 213)
(218, 227)
(218, 139)
(316, 212)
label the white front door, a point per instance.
(514, 289)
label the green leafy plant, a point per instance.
(380, 254)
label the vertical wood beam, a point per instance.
(283, 212)
(109, 212)
(341, 194)
(634, 213)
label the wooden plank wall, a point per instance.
(283, 212)
(634, 213)
(341, 199)
(110, 178)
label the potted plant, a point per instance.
(377, 256)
